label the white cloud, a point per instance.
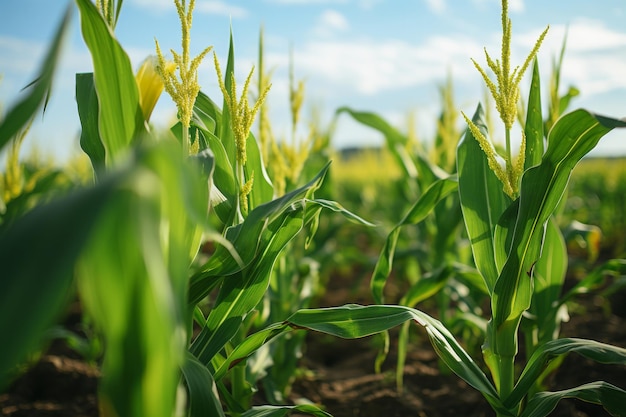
(436, 6)
(589, 43)
(218, 7)
(19, 55)
(369, 4)
(221, 8)
(307, 2)
(516, 6)
(368, 67)
(331, 22)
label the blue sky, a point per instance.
(386, 56)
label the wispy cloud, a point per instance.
(583, 53)
(217, 7)
(515, 6)
(221, 8)
(306, 2)
(436, 6)
(331, 22)
(368, 67)
(14, 55)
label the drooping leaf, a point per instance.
(285, 410)
(132, 279)
(21, 113)
(36, 291)
(396, 141)
(609, 396)
(599, 352)
(354, 321)
(418, 212)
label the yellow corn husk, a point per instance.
(150, 84)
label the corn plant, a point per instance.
(517, 247)
(133, 238)
(436, 218)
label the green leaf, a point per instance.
(259, 240)
(418, 212)
(427, 286)
(241, 292)
(338, 208)
(354, 321)
(284, 410)
(35, 292)
(136, 289)
(250, 345)
(482, 200)
(609, 396)
(203, 397)
(571, 138)
(549, 275)
(120, 116)
(262, 188)
(396, 141)
(245, 238)
(599, 352)
(88, 110)
(224, 130)
(615, 267)
(22, 112)
(533, 130)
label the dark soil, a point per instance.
(342, 376)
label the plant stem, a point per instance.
(507, 375)
(185, 140)
(239, 384)
(509, 164)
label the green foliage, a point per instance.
(186, 258)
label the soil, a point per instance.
(341, 373)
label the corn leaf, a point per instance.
(355, 321)
(396, 141)
(203, 397)
(482, 200)
(609, 396)
(132, 279)
(241, 292)
(36, 291)
(284, 410)
(246, 238)
(422, 207)
(533, 129)
(224, 130)
(338, 208)
(250, 345)
(22, 112)
(427, 286)
(549, 275)
(88, 110)
(615, 267)
(262, 188)
(120, 118)
(599, 352)
(542, 187)
(259, 239)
